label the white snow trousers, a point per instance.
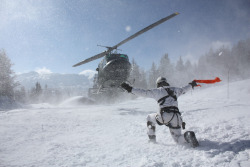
(165, 119)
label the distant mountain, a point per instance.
(54, 80)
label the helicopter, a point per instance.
(114, 68)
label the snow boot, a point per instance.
(191, 139)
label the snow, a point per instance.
(73, 134)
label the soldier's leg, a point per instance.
(177, 136)
(187, 137)
(176, 133)
(151, 122)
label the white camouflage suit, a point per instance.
(157, 94)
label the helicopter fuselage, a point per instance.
(113, 70)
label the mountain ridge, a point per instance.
(54, 80)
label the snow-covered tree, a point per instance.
(138, 77)
(202, 67)
(179, 73)
(7, 82)
(36, 93)
(135, 74)
(189, 72)
(180, 65)
(143, 79)
(153, 75)
(38, 88)
(166, 68)
(21, 95)
(241, 53)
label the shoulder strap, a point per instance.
(170, 94)
(162, 100)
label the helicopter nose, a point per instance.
(117, 68)
(119, 65)
(115, 72)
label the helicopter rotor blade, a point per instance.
(110, 49)
(146, 29)
(92, 58)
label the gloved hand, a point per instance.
(193, 83)
(126, 86)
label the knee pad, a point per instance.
(150, 126)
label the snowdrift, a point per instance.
(77, 101)
(115, 135)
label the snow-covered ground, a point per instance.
(115, 135)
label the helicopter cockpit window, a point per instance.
(124, 56)
(116, 56)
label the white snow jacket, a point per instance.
(160, 92)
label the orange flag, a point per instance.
(217, 79)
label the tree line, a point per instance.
(12, 92)
(223, 62)
(37, 94)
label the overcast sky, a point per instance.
(52, 35)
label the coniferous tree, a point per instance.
(180, 75)
(134, 74)
(143, 79)
(20, 95)
(180, 65)
(7, 82)
(222, 62)
(36, 93)
(202, 67)
(242, 51)
(189, 71)
(38, 89)
(153, 75)
(165, 67)
(188, 66)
